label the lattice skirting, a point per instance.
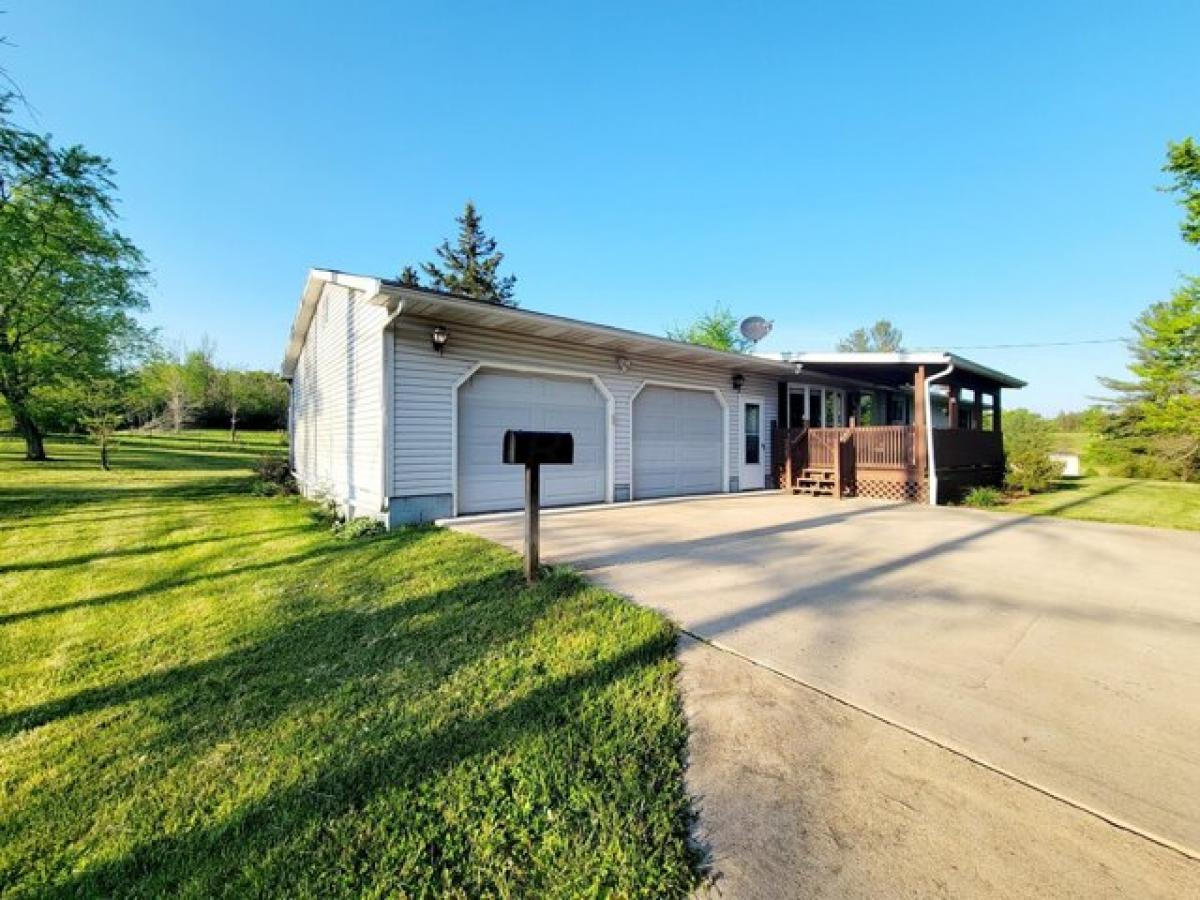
(880, 489)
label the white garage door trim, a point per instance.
(609, 406)
(678, 385)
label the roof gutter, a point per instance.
(933, 482)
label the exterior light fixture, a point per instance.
(623, 363)
(737, 381)
(438, 338)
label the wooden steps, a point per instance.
(816, 482)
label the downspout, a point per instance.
(388, 413)
(930, 461)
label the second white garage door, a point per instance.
(493, 402)
(678, 442)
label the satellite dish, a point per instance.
(755, 328)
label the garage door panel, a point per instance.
(492, 402)
(678, 442)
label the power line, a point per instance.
(1023, 346)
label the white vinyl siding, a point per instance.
(422, 441)
(337, 403)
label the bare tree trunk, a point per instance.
(104, 455)
(176, 410)
(233, 427)
(35, 446)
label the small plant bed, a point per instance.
(208, 693)
(983, 497)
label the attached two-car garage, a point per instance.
(677, 439)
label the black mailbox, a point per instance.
(539, 448)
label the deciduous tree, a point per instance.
(717, 328)
(1183, 165)
(1028, 443)
(101, 404)
(881, 337)
(69, 281)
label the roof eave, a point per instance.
(421, 302)
(314, 285)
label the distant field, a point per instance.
(208, 439)
(1130, 501)
(143, 447)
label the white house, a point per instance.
(391, 424)
(400, 398)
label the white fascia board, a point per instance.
(918, 359)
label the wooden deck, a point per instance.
(886, 462)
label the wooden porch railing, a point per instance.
(964, 456)
(866, 447)
(875, 446)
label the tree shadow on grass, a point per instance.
(64, 562)
(202, 857)
(370, 665)
(199, 573)
(21, 504)
(1077, 502)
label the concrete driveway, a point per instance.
(892, 699)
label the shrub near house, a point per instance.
(1028, 443)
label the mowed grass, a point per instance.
(1129, 501)
(203, 693)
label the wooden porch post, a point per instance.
(919, 420)
(952, 406)
(996, 411)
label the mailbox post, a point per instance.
(533, 449)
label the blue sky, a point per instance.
(980, 174)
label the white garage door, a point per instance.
(678, 442)
(493, 402)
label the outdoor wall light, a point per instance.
(738, 380)
(623, 363)
(438, 337)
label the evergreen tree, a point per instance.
(409, 277)
(1158, 409)
(471, 266)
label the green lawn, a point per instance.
(203, 693)
(1131, 501)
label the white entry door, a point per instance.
(754, 445)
